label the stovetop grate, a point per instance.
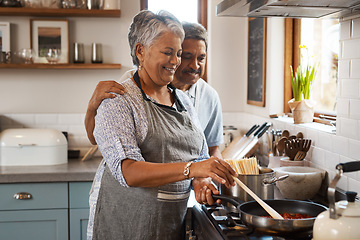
(229, 226)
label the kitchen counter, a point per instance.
(74, 171)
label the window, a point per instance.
(184, 10)
(321, 36)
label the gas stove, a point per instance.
(220, 223)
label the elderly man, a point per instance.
(187, 78)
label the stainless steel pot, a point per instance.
(261, 184)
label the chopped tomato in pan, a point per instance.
(293, 216)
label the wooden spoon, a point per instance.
(281, 145)
(299, 135)
(263, 204)
(285, 133)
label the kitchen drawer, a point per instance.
(34, 224)
(79, 194)
(43, 196)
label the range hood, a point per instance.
(288, 8)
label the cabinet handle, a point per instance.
(22, 196)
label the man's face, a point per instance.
(193, 60)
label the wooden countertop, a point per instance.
(74, 171)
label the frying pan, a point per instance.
(252, 214)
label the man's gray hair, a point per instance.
(195, 31)
(148, 26)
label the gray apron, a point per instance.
(137, 213)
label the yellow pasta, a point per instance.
(245, 166)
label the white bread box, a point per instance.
(32, 146)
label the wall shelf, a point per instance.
(61, 66)
(58, 12)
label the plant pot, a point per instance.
(303, 111)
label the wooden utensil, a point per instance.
(266, 207)
(299, 135)
(281, 146)
(285, 133)
(291, 137)
(290, 149)
(305, 146)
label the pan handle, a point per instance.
(226, 199)
(275, 179)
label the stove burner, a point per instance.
(230, 227)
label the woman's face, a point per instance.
(162, 58)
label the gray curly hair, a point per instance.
(148, 26)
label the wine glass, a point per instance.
(53, 55)
(27, 54)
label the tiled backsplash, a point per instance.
(327, 150)
(71, 123)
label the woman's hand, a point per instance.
(204, 188)
(215, 168)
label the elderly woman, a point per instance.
(150, 138)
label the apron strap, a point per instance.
(180, 107)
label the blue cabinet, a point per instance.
(78, 223)
(44, 211)
(34, 224)
(79, 209)
(34, 211)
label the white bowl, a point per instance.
(303, 182)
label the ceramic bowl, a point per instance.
(303, 182)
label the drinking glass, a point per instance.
(53, 55)
(27, 54)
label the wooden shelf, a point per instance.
(58, 12)
(61, 66)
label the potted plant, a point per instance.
(301, 105)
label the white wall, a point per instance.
(227, 62)
(65, 91)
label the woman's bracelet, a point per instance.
(187, 170)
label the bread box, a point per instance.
(31, 146)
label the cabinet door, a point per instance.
(79, 194)
(78, 223)
(34, 224)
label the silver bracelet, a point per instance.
(187, 170)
